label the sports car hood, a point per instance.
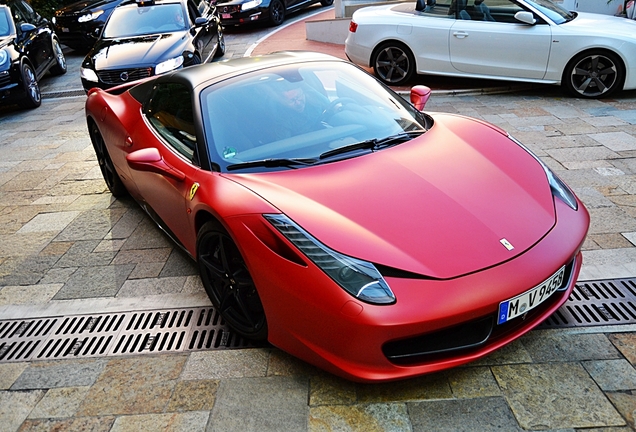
(137, 51)
(438, 205)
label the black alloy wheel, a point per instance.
(228, 282)
(32, 95)
(113, 182)
(276, 12)
(60, 61)
(594, 74)
(394, 63)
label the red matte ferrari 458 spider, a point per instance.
(338, 221)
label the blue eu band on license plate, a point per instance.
(530, 299)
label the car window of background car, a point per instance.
(24, 13)
(133, 20)
(5, 26)
(170, 112)
(193, 11)
(203, 7)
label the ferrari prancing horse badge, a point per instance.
(193, 190)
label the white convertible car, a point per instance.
(537, 41)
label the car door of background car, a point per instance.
(204, 35)
(486, 39)
(426, 33)
(169, 114)
(37, 43)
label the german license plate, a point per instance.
(530, 299)
(65, 30)
(226, 16)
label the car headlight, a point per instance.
(90, 16)
(4, 58)
(168, 65)
(558, 186)
(359, 278)
(88, 74)
(251, 4)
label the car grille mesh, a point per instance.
(121, 76)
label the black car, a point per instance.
(28, 49)
(237, 12)
(78, 25)
(145, 38)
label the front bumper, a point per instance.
(311, 317)
(232, 15)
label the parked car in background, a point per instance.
(237, 12)
(590, 55)
(146, 38)
(29, 49)
(339, 222)
(78, 25)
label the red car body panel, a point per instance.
(383, 207)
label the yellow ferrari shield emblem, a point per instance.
(193, 190)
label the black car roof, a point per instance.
(213, 72)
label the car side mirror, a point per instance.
(201, 21)
(525, 17)
(419, 96)
(27, 27)
(150, 160)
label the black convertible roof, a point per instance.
(212, 72)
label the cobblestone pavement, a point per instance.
(68, 247)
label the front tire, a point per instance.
(228, 282)
(276, 12)
(60, 61)
(220, 49)
(594, 74)
(111, 178)
(394, 63)
(32, 95)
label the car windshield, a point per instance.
(553, 11)
(6, 27)
(133, 20)
(297, 115)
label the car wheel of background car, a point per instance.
(276, 12)
(220, 49)
(60, 60)
(326, 2)
(33, 97)
(228, 282)
(593, 74)
(106, 165)
(393, 63)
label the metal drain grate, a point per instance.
(597, 303)
(124, 333)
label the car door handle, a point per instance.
(460, 34)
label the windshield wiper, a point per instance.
(272, 163)
(374, 144)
